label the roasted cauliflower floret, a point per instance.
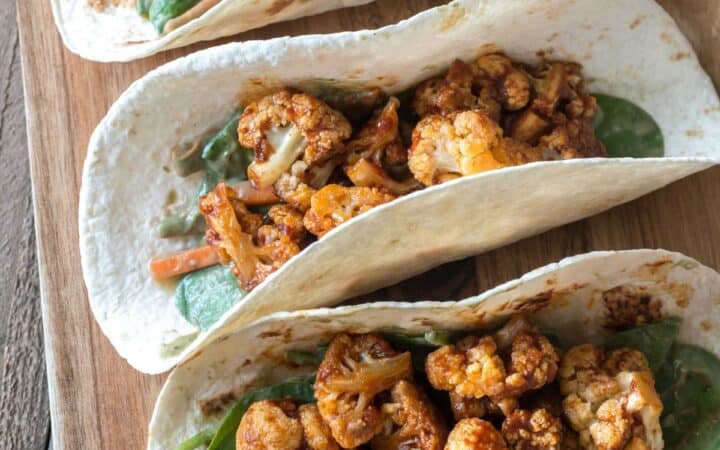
(574, 139)
(379, 139)
(286, 127)
(255, 250)
(470, 368)
(533, 359)
(454, 92)
(477, 367)
(335, 204)
(508, 84)
(317, 435)
(560, 87)
(532, 430)
(270, 425)
(466, 407)
(610, 409)
(475, 434)
(412, 421)
(368, 174)
(354, 370)
(448, 147)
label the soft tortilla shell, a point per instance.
(120, 34)
(565, 297)
(124, 184)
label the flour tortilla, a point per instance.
(119, 33)
(628, 48)
(569, 295)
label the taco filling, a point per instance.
(165, 15)
(290, 167)
(515, 388)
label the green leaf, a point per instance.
(202, 439)
(300, 390)
(223, 159)
(224, 141)
(654, 340)
(160, 11)
(143, 7)
(690, 389)
(420, 346)
(626, 129)
(203, 296)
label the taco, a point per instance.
(123, 30)
(603, 350)
(382, 162)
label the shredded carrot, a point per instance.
(251, 196)
(183, 262)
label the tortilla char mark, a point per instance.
(278, 5)
(629, 306)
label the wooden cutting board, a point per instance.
(97, 400)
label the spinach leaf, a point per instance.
(202, 439)
(143, 7)
(690, 389)
(204, 295)
(654, 340)
(301, 390)
(420, 346)
(626, 129)
(161, 11)
(223, 159)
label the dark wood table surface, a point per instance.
(24, 413)
(681, 217)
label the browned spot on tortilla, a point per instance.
(269, 334)
(277, 6)
(424, 321)
(655, 271)
(533, 304)
(246, 363)
(714, 109)
(214, 405)
(705, 325)
(681, 292)
(695, 133)
(553, 36)
(666, 37)
(394, 241)
(679, 55)
(629, 306)
(455, 16)
(100, 5)
(634, 24)
(551, 281)
(386, 80)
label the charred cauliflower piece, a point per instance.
(412, 421)
(368, 174)
(454, 92)
(470, 368)
(507, 84)
(532, 430)
(255, 250)
(610, 409)
(574, 139)
(517, 360)
(379, 139)
(286, 127)
(475, 434)
(448, 147)
(270, 425)
(335, 204)
(466, 407)
(354, 370)
(560, 87)
(317, 435)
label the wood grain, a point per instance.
(24, 417)
(96, 399)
